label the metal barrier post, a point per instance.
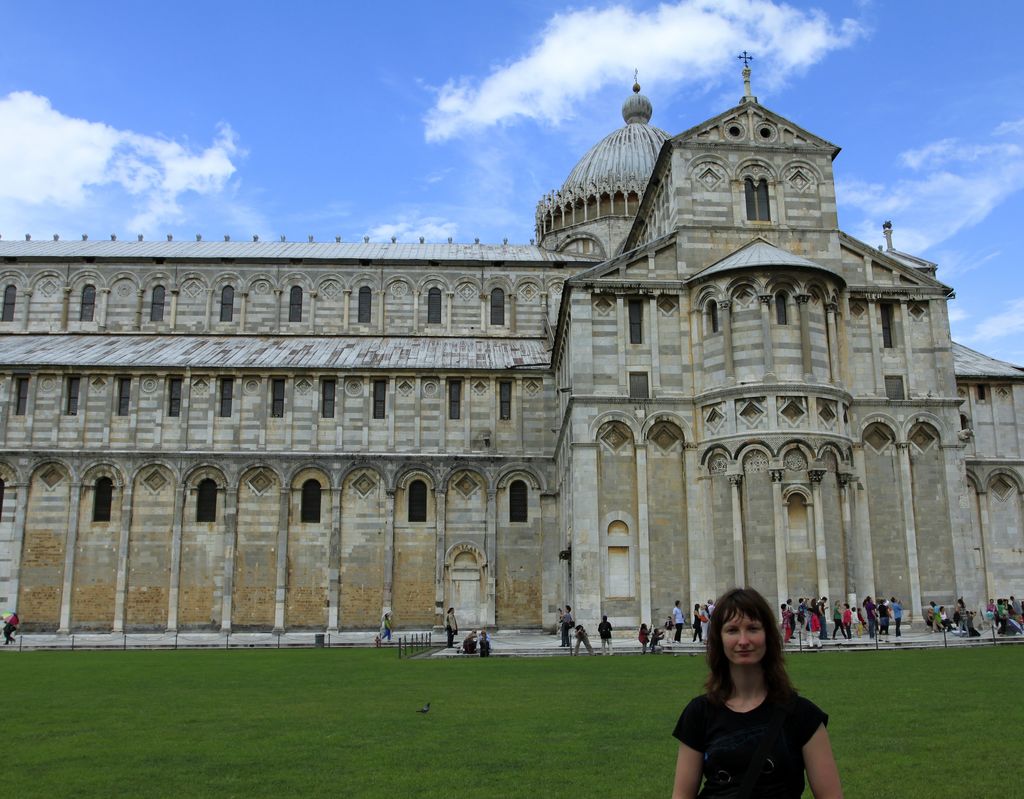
(945, 645)
(125, 647)
(800, 638)
(72, 642)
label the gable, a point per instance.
(877, 267)
(752, 125)
(655, 261)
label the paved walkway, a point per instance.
(505, 643)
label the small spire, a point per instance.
(636, 81)
(748, 96)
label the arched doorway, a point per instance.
(465, 566)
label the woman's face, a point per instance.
(743, 640)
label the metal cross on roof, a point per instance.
(745, 58)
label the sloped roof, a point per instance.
(283, 250)
(761, 253)
(272, 352)
(971, 363)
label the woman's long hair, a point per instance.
(745, 602)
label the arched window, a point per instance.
(206, 501)
(417, 501)
(88, 304)
(713, 316)
(310, 513)
(102, 499)
(227, 303)
(295, 304)
(365, 296)
(757, 200)
(518, 506)
(434, 306)
(497, 307)
(780, 308)
(156, 304)
(10, 296)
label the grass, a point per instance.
(342, 723)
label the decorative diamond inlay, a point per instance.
(615, 437)
(922, 438)
(664, 435)
(792, 410)
(710, 178)
(97, 383)
(49, 288)
(200, 387)
(714, 417)
(603, 306)
(667, 304)
(155, 480)
(826, 412)
(877, 438)
(52, 476)
(329, 289)
(917, 310)
(751, 412)
(718, 464)
(405, 387)
(857, 308)
(1002, 488)
(260, 482)
(528, 292)
(798, 180)
(480, 388)
(466, 485)
(302, 385)
(532, 387)
(364, 484)
(1003, 392)
(467, 291)
(192, 288)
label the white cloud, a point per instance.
(409, 228)
(1013, 127)
(675, 43)
(957, 314)
(950, 185)
(52, 163)
(1008, 322)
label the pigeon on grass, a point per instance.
(424, 709)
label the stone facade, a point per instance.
(255, 436)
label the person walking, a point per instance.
(678, 620)
(698, 633)
(815, 638)
(604, 629)
(385, 627)
(451, 627)
(643, 637)
(823, 619)
(847, 621)
(837, 620)
(869, 614)
(567, 625)
(883, 617)
(897, 613)
(787, 623)
(581, 638)
(705, 620)
(750, 733)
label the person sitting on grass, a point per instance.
(469, 643)
(656, 635)
(750, 733)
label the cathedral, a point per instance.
(691, 379)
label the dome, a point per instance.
(625, 157)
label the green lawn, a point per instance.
(342, 723)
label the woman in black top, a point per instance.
(748, 695)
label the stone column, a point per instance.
(439, 552)
(736, 481)
(139, 297)
(346, 309)
(65, 311)
(243, 310)
(20, 516)
(416, 312)
(209, 308)
(27, 293)
(643, 532)
(281, 590)
(864, 561)
(655, 350)
(802, 301)
(766, 336)
(511, 312)
(122, 558)
(585, 541)
(389, 549)
(986, 543)
(815, 476)
(174, 579)
(908, 347)
(449, 302)
(102, 311)
(334, 586)
(382, 309)
(70, 544)
(491, 549)
(230, 548)
(698, 545)
(833, 343)
(849, 555)
(277, 313)
(876, 346)
(312, 312)
(781, 538)
(174, 308)
(725, 319)
(907, 485)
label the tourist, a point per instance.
(451, 627)
(815, 637)
(698, 631)
(869, 614)
(837, 620)
(385, 627)
(847, 621)
(567, 625)
(934, 619)
(9, 630)
(750, 716)
(656, 635)
(678, 620)
(582, 638)
(860, 623)
(897, 613)
(822, 619)
(643, 638)
(469, 643)
(787, 623)
(947, 625)
(484, 640)
(705, 621)
(801, 613)
(604, 629)
(883, 617)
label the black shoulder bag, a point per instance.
(757, 762)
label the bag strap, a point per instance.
(757, 762)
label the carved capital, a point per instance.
(724, 305)
(736, 480)
(802, 299)
(815, 475)
(765, 298)
(902, 445)
(777, 475)
(832, 307)
(844, 479)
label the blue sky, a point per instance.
(436, 120)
